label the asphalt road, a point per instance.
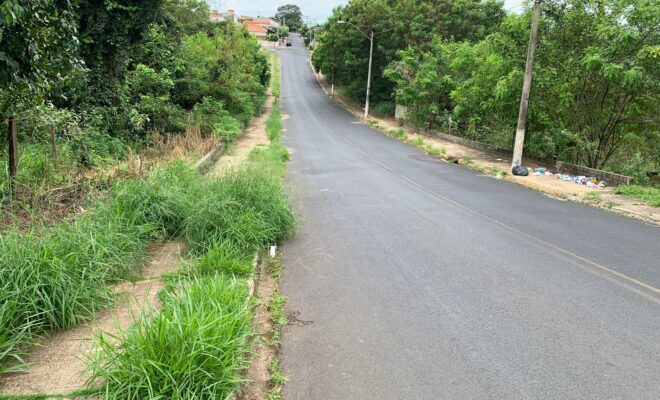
(411, 278)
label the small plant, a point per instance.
(372, 122)
(593, 197)
(278, 317)
(467, 161)
(432, 150)
(417, 141)
(648, 194)
(276, 377)
(612, 204)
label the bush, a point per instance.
(212, 118)
(194, 348)
(636, 168)
(93, 148)
(384, 109)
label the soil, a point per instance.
(495, 161)
(57, 364)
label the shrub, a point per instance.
(384, 109)
(212, 118)
(636, 168)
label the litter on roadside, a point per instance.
(589, 181)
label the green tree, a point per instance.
(290, 15)
(399, 24)
(38, 46)
(192, 16)
(596, 83)
(424, 82)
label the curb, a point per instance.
(205, 164)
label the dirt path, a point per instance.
(493, 162)
(57, 364)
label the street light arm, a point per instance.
(354, 26)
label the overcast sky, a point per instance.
(314, 9)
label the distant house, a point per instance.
(259, 30)
(229, 15)
(244, 19)
(259, 26)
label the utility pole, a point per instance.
(527, 86)
(371, 56)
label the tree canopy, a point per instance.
(38, 46)
(122, 70)
(291, 15)
(397, 24)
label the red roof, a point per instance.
(255, 27)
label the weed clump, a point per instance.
(192, 349)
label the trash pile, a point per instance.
(589, 181)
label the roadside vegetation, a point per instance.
(458, 67)
(649, 195)
(204, 327)
(139, 77)
(108, 83)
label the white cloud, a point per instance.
(313, 9)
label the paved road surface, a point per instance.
(425, 280)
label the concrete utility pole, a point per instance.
(371, 57)
(527, 86)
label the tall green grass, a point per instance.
(193, 349)
(196, 347)
(55, 277)
(275, 76)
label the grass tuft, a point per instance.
(194, 348)
(648, 194)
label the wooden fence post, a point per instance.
(12, 139)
